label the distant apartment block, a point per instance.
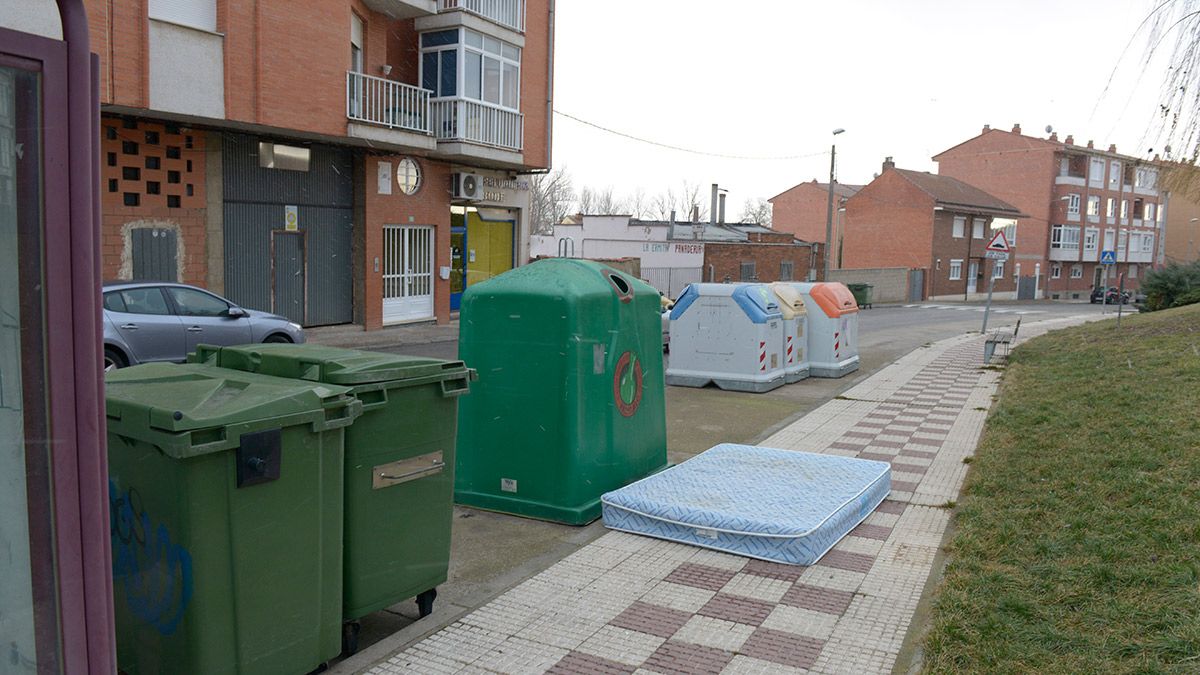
(803, 209)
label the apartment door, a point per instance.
(407, 273)
(458, 265)
(287, 274)
(972, 276)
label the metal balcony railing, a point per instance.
(459, 119)
(509, 13)
(387, 103)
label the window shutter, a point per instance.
(200, 14)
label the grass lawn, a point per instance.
(1078, 535)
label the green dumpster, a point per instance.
(570, 400)
(399, 463)
(862, 294)
(226, 519)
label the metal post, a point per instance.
(1104, 290)
(829, 212)
(988, 307)
(1120, 295)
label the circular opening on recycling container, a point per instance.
(621, 285)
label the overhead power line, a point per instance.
(691, 151)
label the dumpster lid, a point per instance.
(187, 397)
(833, 298)
(319, 363)
(757, 301)
(791, 303)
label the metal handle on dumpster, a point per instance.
(405, 470)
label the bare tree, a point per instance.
(639, 204)
(689, 200)
(663, 204)
(757, 211)
(550, 200)
(1175, 25)
(587, 201)
(608, 204)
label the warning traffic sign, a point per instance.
(999, 243)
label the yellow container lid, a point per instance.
(791, 304)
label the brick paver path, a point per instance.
(631, 604)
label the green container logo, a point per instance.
(627, 384)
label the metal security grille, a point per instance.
(155, 255)
(407, 273)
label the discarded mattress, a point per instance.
(779, 505)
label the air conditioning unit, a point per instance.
(468, 186)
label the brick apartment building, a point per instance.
(334, 161)
(764, 256)
(803, 209)
(1182, 226)
(1080, 201)
(923, 221)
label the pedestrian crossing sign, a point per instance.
(1108, 257)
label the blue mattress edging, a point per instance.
(789, 548)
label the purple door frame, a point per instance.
(80, 561)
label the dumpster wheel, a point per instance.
(425, 602)
(350, 630)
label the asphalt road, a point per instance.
(491, 552)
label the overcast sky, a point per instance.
(906, 78)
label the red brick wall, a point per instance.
(188, 218)
(429, 206)
(947, 247)
(802, 211)
(534, 87)
(117, 33)
(889, 223)
(726, 259)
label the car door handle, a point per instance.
(129, 326)
(194, 329)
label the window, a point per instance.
(113, 302)
(785, 270)
(1010, 233)
(998, 270)
(1109, 239)
(1111, 209)
(1147, 243)
(1122, 238)
(1135, 242)
(1072, 207)
(287, 157)
(747, 271)
(1149, 217)
(1146, 178)
(960, 226)
(955, 270)
(1133, 271)
(1124, 210)
(356, 43)
(1055, 271)
(1074, 166)
(1096, 175)
(977, 226)
(491, 69)
(1091, 239)
(1093, 207)
(1114, 176)
(1064, 237)
(200, 14)
(191, 302)
(1076, 271)
(144, 301)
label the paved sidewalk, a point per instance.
(626, 604)
(352, 336)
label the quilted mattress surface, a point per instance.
(779, 505)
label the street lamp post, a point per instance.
(829, 207)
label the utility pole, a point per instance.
(829, 206)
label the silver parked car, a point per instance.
(155, 321)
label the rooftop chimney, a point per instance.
(695, 213)
(721, 217)
(1070, 140)
(987, 128)
(1091, 146)
(888, 163)
(712, 209)
(1016, 128)
(1112, 148)
(1054, 135)
(672, 216)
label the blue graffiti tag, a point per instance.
(156, 574)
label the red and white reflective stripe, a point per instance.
(837, 344)
(790, 355)
(762, 356)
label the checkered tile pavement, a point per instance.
(630, 604)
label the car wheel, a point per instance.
(114, 359)
(277, 338)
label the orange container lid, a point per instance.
(834, 299)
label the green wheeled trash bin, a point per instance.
(862, 294)
(399, 474)
(570, 401)
(225, 493)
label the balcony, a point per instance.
(472, 130)
(507, 13)
(1069, 180)
(387, 111)
(403, 9)
(1065, 254)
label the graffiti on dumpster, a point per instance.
(155, 572)
(627, 384)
